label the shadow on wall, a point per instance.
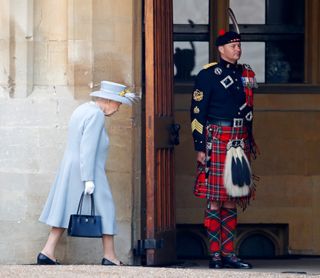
(184, 60)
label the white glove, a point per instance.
(88, 187)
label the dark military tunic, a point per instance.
(223, 91)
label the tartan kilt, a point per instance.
(214, 189)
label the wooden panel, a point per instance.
(160, 209)
(218, 20)
(164, 190)
(312, 42)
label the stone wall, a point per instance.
(51, 53)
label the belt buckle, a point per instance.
(237, 122)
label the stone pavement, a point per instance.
(262, 268)
(82, 271)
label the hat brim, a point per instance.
(111, 96)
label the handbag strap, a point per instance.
(92, 206)
(80, 204)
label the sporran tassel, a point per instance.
(246, 168)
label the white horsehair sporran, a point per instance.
(237, 170)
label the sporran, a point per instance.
(237, 170)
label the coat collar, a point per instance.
(228, 65)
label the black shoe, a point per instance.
(109, 263)
(44, 260)
(215, 261)
(232, 261)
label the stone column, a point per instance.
(20, 74)
(80, 61)
(4, 47)
(50, 39)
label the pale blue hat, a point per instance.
(115, 91)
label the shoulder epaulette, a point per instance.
(209, 65)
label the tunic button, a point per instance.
(238, 113)
(234, 72)
(238, 88)
(236, 79)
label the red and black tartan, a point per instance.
(213, 188)
(228, 218)
(213, 225)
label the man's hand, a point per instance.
(88, 187)
(201, 157)
(254, 150)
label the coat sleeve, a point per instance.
(199, 106)
(92, 130)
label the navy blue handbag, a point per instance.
(85, 225)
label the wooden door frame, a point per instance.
(160, 219)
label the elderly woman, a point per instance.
(83, 169)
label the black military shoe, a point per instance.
(232, 261)
(215, 261)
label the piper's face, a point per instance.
(230, 52)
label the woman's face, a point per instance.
(109, 107)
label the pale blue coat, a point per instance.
(84, 160)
